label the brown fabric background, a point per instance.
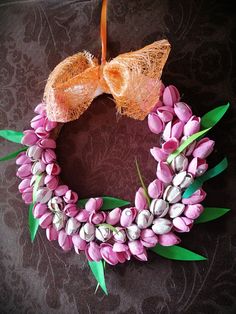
(97, 153)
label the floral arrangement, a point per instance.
(108, 229)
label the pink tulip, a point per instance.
(164, 172)
(127, 216)
(173, 129)
(170, 95)
(190, 148)
(45, 220)
(92, 252)
(143, 256)
(40, 109)
(79, 244)
(140, 199)
(41, 132)
(196, 197)
(136, 247)
(148, 238)
(37, 121)
(192, 126)
(94, 204)
(27, 195)
(70, 197)
(43, 195)
(24, 171)
(113, 217)
(53, 169)
(64, 240)
(197, 166)
(34, 152)
(193, 211)
(83, 216)
(51, 233)
(48, 156)
(170, 146)
(22, 159)
(38, 167)
(155, 124)
(204, 148)
(156, 189)
(165, 113)
(122, 252)
(47, 143)
(108, 254)
(24, 185)
(29, 138)
(119, 235)
(51, 182)
(168, 239)
(158, 154)
(61, 190)
(39, 210)
(49, 125)
(182, 224)
(71, 210)
(97, 217)
(183, 111)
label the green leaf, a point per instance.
(142, 182)
(12, 136)
(211, 213)
(177, 253)
(12, 155)
(33, 222)
(213, 116)
(97, 269)
(108, 202)
(220, 167)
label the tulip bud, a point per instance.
(71, 210)
(136, 247)
(51, 182)
(182, 111)
(41, 132)
(38, 167)
(51, 233)
(170, 146)
(159, 207)
(61, 190)
(144, 219)
(72, 226)
(127, 216)
(155, 189)
(56, 204)
(196, 197)
(43, 195)
(79, 244)
(40, 180)
(94, 204)
(176, 210)
(122, 252)
(24, 171)
(108, 254)
(190, 148)
(204, 148)
(41, 109)
(22, 159)
(39, 210)
(83, 216)
(47, 143)
(48, 156)
(37, 121)
(172, 194)
(27, 195)
(113, 217)
(53, 169)
(148, 238)
(158, 154)
(140, 199)
(70, 197)
(49, 125)
(182, 224)
(59, 220)
(182, 179)
(92, 252)
(24, 185)
(168, 239)
(161, 225)
(64, 240)
(103, 233)
(143, 256)
(133, 232)
(155, 124)
(170, 95)
(173, 129)
(179, 163)
(45, 220)
(34, 152)
(192, 126)
(87, 232)
(193, 211)
(165, 113)
(119, 235)
(29, 138)
(164, 172)
(97, 217)
(197, 166)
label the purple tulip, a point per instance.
(170, 146)
(71, 210)
(148, 238)
(182, 224)
(37, 121)
(113, 217)
(204, 148)
(136, 247)
(127, 216)
(193, 211)
(61, 190)
(79, 244)
(27, 195)
(164, 172)
(70, 197)
(29, 138)
(97, 217)
(94, 204)
(158, 154)
(196, 197)
(197, 166)
(182, 111)
(83, 216)
(48, 156)
(24, 185)
(64, 240)
(39, 210)
(108, 254)
(165, 113)
(155, 123)
(192, 126)
(140, 199)
(92, 252)
(45, 220)
(24, 171)
(170, 95)
(22, 159)
(156, 189)
(168, 239)
(47, 143)
(51, 233)
(41, 132)
(51, 182)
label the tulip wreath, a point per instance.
(108, 229)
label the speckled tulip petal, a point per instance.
(211, 213)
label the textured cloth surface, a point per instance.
(97, 153)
